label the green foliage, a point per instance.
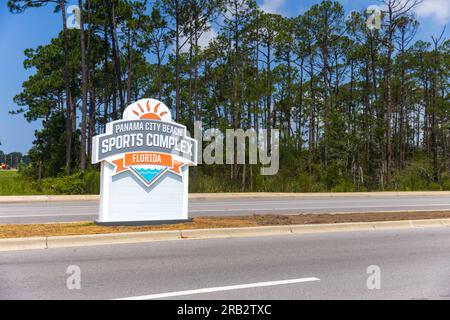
(45, 155)
(321, 78)
(64, 185)
(91, 181)
(12, 183)
(343, 185)
(446, 184)
(15, 183)
(417, 176)
(13, 159)
(78, 183)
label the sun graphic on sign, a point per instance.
(148, 113)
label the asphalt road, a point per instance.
(87, 210)
(413, 264)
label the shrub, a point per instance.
(446, 184)
(343, 186)
(304, 182)
(12, 183)
(72, 184)
(91, 181)
(416, 176)
(434, 187)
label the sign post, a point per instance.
(144, 167)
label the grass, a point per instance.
(78, 228)
(12, 183)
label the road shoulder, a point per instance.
(28, 243)
(234, 195)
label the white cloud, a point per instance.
(203, 41)
(436, 9)
(207, 37)
(272, 6)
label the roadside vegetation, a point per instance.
(18, 183)
(417, 176)
(12, 183)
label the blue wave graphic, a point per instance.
(148, 174)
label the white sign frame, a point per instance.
(145, 159)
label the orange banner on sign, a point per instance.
(148, 158)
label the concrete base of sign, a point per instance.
(141, 223)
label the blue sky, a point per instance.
(38, 26)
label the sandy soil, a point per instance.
(76, 228)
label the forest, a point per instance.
(358, 109)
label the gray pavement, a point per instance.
(38, 212)
(414, 264)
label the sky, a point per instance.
(37, 26)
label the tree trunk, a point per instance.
(116, 53)
(68, 93)
(90, 74)
(105, 80)
(130, 65)
(312, 115)
(177, 62)
(83, 90)
(389, 113)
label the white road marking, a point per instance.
(300, 202)
(49, 215)
(300, 208)
(219, 289)
(262, 202)
(328, 207)
(38, 207)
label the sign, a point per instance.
(144, 166)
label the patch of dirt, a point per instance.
(77, 228)
(267, 220)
